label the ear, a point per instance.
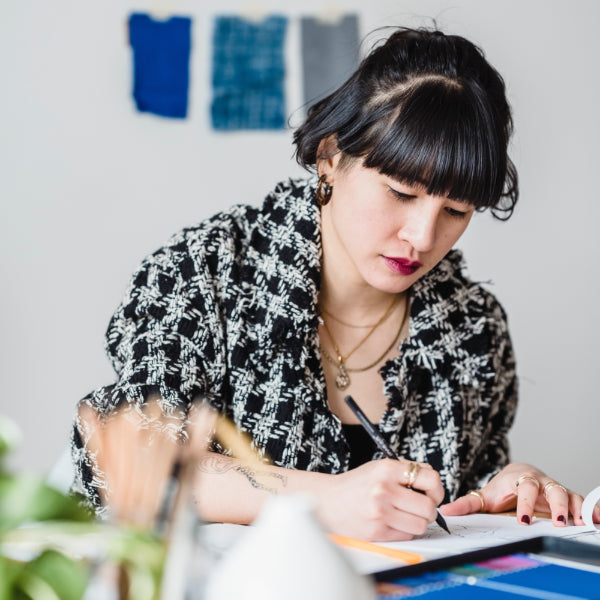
(328, 156)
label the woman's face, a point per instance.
(385, 233)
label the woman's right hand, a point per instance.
(373, 502)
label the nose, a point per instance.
(419, 227)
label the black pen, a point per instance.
(383, 446)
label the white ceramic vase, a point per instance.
(286, 554)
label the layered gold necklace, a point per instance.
(342, 380)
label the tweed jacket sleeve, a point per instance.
(502, 390)
(167, 338)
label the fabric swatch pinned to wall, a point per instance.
(248, 73)
(330, 51)
(161, 51)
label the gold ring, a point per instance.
(411, 472)
(552, 484)
(523, 478)
(480, 496)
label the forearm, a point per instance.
(229, 490)
(369, 502)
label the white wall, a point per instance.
(88, 186)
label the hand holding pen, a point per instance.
(412, 468)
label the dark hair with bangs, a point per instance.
(424, 108)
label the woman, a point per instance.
(346, 283)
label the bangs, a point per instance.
(438, 134)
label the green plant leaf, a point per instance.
(53, 576)
(26, 498)
(9, 573)
(141, 553)
(10, 436)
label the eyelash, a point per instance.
(455, 214)
(401, 196)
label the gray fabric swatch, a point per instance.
(329, 54)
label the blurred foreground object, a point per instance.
(285, 541)
(50, 547)
(141, 455)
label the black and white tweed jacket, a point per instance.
(228, 310)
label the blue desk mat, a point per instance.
(514, 576)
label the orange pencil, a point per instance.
(349, 542)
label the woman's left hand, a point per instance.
(527, 489)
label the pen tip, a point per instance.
(442, 523)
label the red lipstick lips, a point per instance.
(402, 265)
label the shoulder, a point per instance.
(459, 330)
(457, 317)
(451, 290)
(287, 213)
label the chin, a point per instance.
(395, 284)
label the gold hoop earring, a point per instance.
(324, 190)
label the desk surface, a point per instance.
(468, 533)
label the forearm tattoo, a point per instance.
(217, 465)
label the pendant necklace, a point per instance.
(342, 380)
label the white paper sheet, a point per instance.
(473, 532)
(470, 532)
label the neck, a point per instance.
(358, 303)
(343, 290)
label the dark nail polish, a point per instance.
(561, 518)
(525, 519)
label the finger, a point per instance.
(558, 501)
(575, 502)
(406, 522)
(596, 514)
(402, 509)
(465, 505)
(414, 503)
(527, 494)
(388, 534)
(427, 480)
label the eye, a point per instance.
(403, 196)
(457, 214)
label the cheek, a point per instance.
(448, 236)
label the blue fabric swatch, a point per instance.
(161, 51)
(248, 73)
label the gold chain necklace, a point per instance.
(364, 338)
(342, 381)
(351, 325)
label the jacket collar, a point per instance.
(290, 233)
(288, 258)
